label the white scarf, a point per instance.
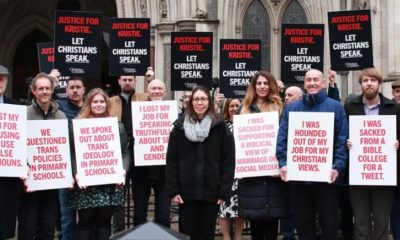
(197, 131)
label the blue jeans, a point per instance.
(395, 215)
(68, 216)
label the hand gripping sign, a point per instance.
(49, 157)
(98, 151)
(151, 124)
(373, 158)
(255, 143)
(13, 141)
(310, 146)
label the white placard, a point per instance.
(151, 124)
(13, 141)
(98, 151)
(255, 143)
(310, 146)
(373, 154)
(49, 158)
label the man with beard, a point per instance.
(70, 107)
(375, 200)
(121, 108)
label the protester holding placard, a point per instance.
(95, 204)
(37, 216)
(121, 108)
(70, 107)
(311, 198)
(147, 177)
(262, 200)
(229, 209)
(200, 165)
(9, 186)
(375, 200)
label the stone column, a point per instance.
(393, 40)
(164, 30)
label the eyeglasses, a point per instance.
(203, 99)
(186, 97)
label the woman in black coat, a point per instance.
(262, 200)
(200, 165)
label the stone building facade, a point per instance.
(22, 22)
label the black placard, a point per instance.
(45, 56)
(191, 60)
(129, 51)
(302, 48)
(46, 62)
(350, 39)
(77, 43)
(239, 60)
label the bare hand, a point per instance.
(333, 176)
(177, 199)
(331, 77)
(121, 184)
(349, 144)
(77, 182)
(281, 86)
(149, 74)
(283, 173)
(220, 201)
(56, 75)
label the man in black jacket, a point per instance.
(371, 199)
(9, 187)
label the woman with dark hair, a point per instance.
(229, 209)
(200, 165)
(262, 200)
(95, 204)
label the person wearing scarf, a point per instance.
(200, 165)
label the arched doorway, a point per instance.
(25, 64)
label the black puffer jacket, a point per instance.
(263, 198)
(200, 170)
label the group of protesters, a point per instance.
(200, 165)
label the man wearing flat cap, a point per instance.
(9, 187)
(396, 90)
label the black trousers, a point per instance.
(264, 229)
(37, 216)
(197, 219)
(141, 189)
(312, 199)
